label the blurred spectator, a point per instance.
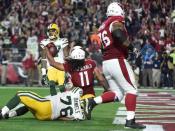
(156, 70)
(146, 20)
(29, 67)
(32, 56)
(172, 55)
(148, 54)
(4, 62)
(166, 72)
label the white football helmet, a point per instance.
(77, 53)
(114, 9)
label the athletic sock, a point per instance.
(130, 103)
(21, 111)
(105, 97)
(13, 102)
(52, 88)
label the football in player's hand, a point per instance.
(52, 49)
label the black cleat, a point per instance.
(1, 117)
(132, 124)
(89, 104)
(6, 116)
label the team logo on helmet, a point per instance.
(77, 53)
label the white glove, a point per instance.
(44, 42)
(68, 86)
(62, 41)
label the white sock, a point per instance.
(12, 114)
(98, 100)
(5, 110)
(130, 115)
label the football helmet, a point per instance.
(77, 53)
(53, 31)
(114, 9)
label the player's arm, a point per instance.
(43, 61)
(66, 51)
(52, 62)
(43, 57)
(101, 79)
(119, 34)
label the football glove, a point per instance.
(63, 42)
(44, 80)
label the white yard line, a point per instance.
(144, 97)
(153, 128)
(121, 120)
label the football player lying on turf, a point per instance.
(81, 71)
(65, 106)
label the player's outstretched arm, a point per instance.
(52, 62)
(101, 79)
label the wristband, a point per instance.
(43, 71)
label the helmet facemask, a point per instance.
(53, 31)
(52, 34)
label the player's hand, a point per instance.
(64, 41)
(68, 85)
(44, 80)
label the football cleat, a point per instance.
(6, 116)
(89, 104)
(132, 124)
(1, 117)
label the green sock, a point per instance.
(22, 110)
(61, 88)
(13, 102)
(53, 90)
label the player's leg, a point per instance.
(39, 106)
(21, 109)
(52, 77)
(126, 81)
(60, 77)
(106, 97)
(12, 103)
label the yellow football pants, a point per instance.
(87, 96)
(39, 106)
(56, 75)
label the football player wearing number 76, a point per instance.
(116, 69)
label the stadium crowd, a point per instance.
(150, 24)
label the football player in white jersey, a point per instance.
(54, 76)
(64, 106)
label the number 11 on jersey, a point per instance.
(84, 78)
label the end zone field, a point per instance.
(156, 108)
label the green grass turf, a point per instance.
(102, 117)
